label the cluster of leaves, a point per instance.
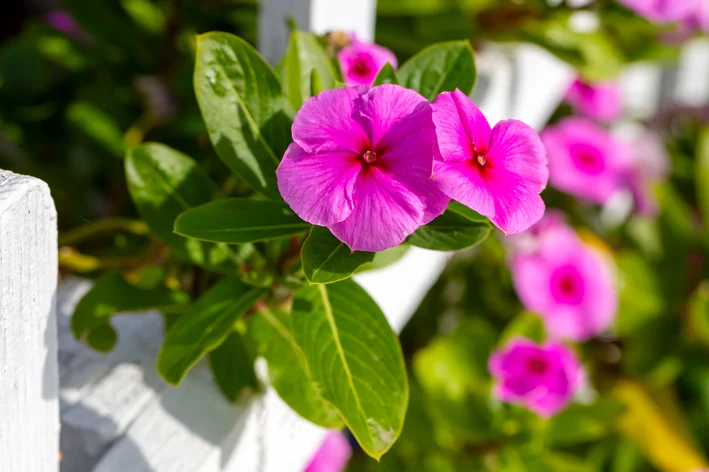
(265, 283)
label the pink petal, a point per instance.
(518, 204)
(521, 151)
(384, 213)
(333, 455)
(318, 187)
(390, 113)
(325, 123)
(462, 182)
(361, 61)
(459, 126)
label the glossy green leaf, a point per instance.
(305, 54)
(355, 357)
(205, 325)
(442, 67)
(458, 228)
(244, 108)
(239, 220)
(326, 259)
(288, 370)
(386, 75)
(233, 367)
(112, 294)
(385, 258)
(165, 183)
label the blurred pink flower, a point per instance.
(600, 101)
(585, 160)
(650, 165)
(542, 378)
(361, 61)
(569, 284)
(333, 455)
(497, 172)
(61, 21)
(528, 241)
(699, 18)
(663, 11)
(361, 164)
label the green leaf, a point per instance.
(442, 67)
(206, 325)
(452, 370)
(306, 58)
(98, 125)
(526, 325)
(315, 83)
(702, 173)
(239, 220)
(288, 371)
(233, 367)
(385, 258)
(355, 357)
(165, 183)
(459, 227)
(244, 108)
(102, 338)
(112, 294)
(579, 424)
(326, 259)
(387, 75)
(517, 459)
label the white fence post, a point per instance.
(29, 413)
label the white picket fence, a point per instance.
(116, 413)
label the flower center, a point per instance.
(538, 366)
(481, 160)
(567, 286)
(361, 66)
(369, 157)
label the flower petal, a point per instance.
(318, 187)
(390, 113)
(459, 125)
(462, 182)
(325, 123)
(384, 213)
(518, 148)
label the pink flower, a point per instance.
(361, 61)
(569, 284)
(663, 11)
(542, 378)
(333, 455)
(599, 101)
(585, 160)
(499, 173)
(361, 164)
(528, 241)
(650, 165)
(61, 21)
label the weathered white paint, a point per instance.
(319, 16)
(29, 413)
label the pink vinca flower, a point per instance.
(361, 61)
(585, 160)
(569, 284)
(528, 241)
(663, 11)
(497, 172)
(361, 164)
(650, 165)
(599, 101)
(333, 455)
(542, 378)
